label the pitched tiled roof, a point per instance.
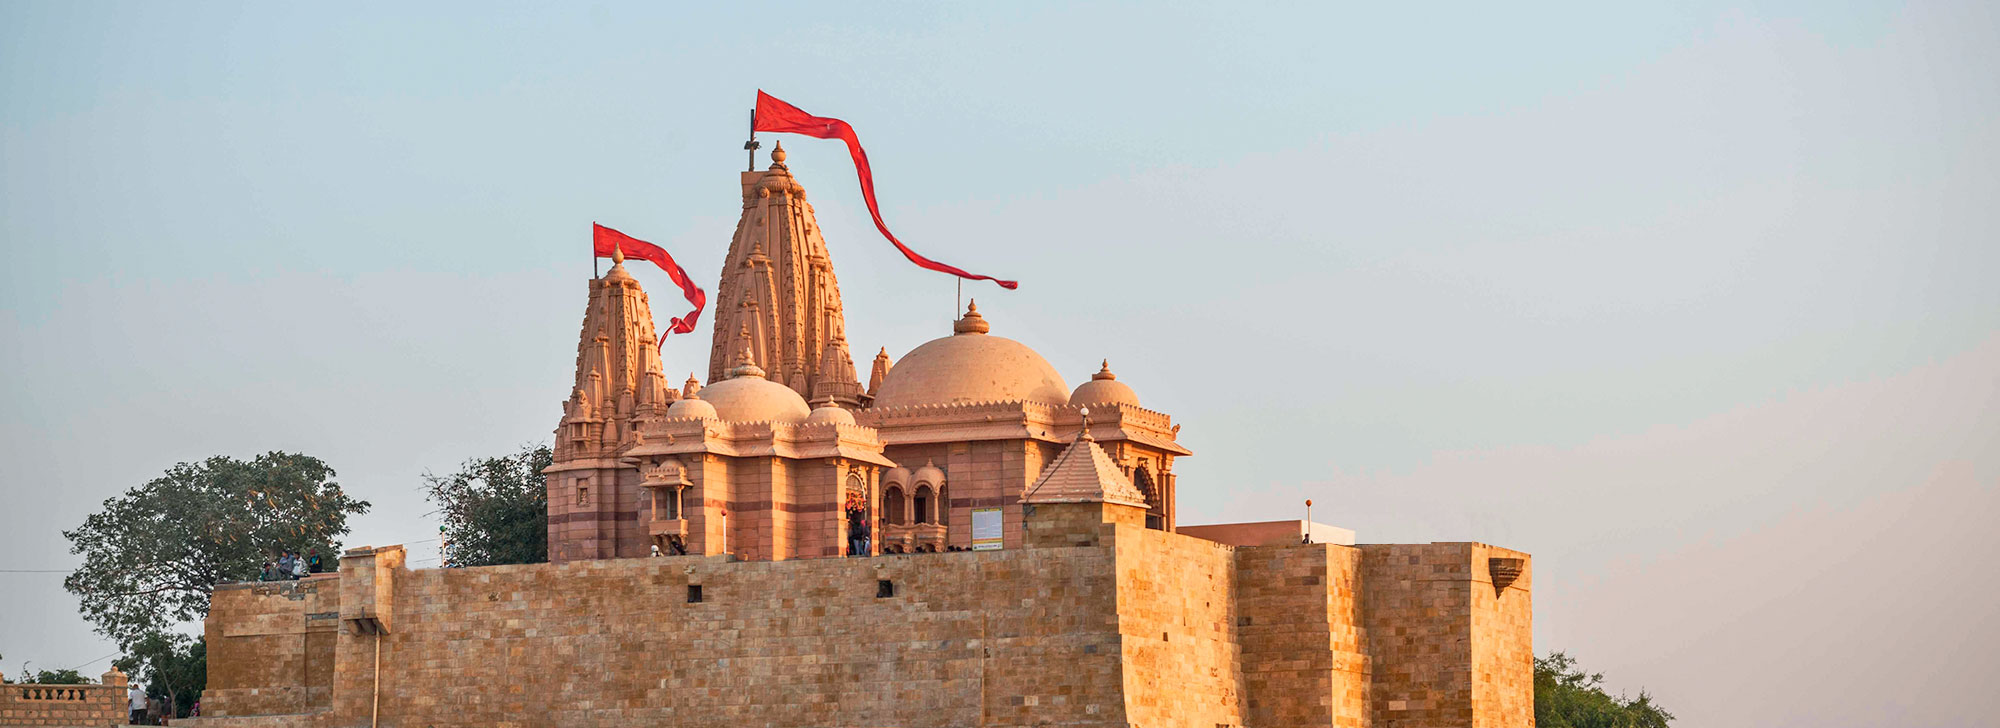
(1083, 474)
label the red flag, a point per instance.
(605, 240)
(778, 116)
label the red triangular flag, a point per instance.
(775, 115)
(605, 239)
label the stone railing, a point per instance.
(65, 705)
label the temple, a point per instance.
(965, 540)
(783, 454)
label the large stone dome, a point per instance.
(970, 366)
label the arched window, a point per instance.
(892, 506)
(923, 504)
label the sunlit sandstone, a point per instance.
(1023, 563)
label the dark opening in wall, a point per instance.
(694, 593)
(884, 589)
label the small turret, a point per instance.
(880, 371)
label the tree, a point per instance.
(173, 667)
(152, 557)
(1566, 697)
(496, 509)
(65, 676)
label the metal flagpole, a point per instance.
(750, 147)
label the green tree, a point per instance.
(64, 676)
(173, 667)
(1567, 697)
(496, 509)
(152, 556)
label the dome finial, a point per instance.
(778, 154)
(1104, 372)
(972, 323)
(617, 254)
(746, 360)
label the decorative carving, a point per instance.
(778, 283)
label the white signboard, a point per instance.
(986, 529)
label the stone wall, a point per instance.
(1503, 656)
(1446, 650)
(1299, 621)
(104, 704)
(1176, 620)
(276, 641)
(1112, 625)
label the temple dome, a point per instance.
(1104, 388)
(971, 366)
(691, 408)
(752, 398)
(830, 415)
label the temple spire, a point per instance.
(619, 378)
(778, 285)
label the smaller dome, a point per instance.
(929, 473)
(1104, 388)
(830, 414)
(691, 409)
(751, 398)
(898, 475)
(746, 396)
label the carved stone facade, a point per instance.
(778, 285)
(593, 495)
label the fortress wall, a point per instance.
(1503, 655)
(1445, 650)
(1416, 609)
(1176, 623)
(1299, 622)
(270, 646)
(1018, 637)
(1099, 622)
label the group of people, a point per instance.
(290, 565)
(153, 711)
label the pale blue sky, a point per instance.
(1695, 303)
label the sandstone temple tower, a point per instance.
(619, 384)
(778, 284)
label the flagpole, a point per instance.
(593, 253)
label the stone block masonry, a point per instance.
(1134, 627)
(103, 704)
